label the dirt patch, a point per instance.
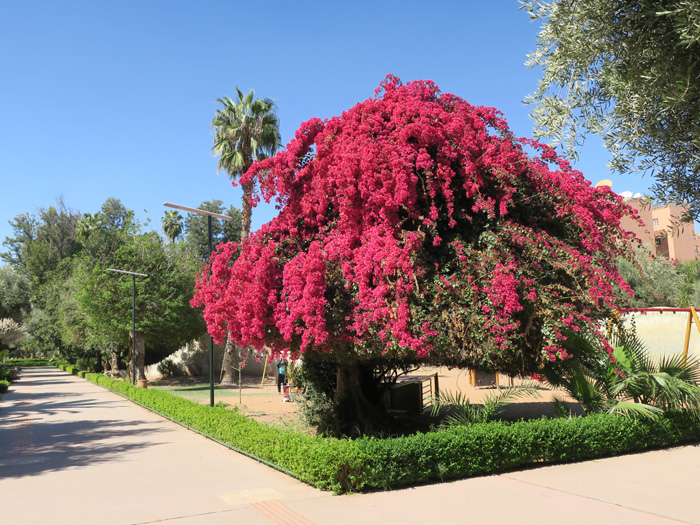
(256, 398)
(260, 400)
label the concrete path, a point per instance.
(72, 452)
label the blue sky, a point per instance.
(115, 99)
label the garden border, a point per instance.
(351, 465)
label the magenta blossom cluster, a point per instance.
(416, 224)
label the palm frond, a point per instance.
(460, 411)
(632, 409)
(560, 409)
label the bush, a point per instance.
(4, 386)
(345, 465)
(169, 368)
(28, 362)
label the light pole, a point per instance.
(209, 215)
(133, 317)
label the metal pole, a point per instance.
(211, 339)
(133, 328)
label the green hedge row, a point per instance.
(27, 362)
(345, 465)
(4, 386)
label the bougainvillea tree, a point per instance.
(416, 225)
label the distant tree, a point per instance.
(24, 229)
(54, 240)
(172, 225)
(245, 130)
(164, 316)
(116, 216)
(626, 70)
(11, 333)
(196, 227)
(87, 224)
(656, 281)
(15, 300)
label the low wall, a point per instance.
(193, 358)
(663, 332)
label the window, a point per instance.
(656, 223)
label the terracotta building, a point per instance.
(661, 229)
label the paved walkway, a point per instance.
(72, 452)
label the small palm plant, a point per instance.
(459, 411)
(628, 381)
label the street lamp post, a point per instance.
(209, 215)
(133, 317)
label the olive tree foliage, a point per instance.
(11, 332)
(626, 70)
(14, 294)
(656, 281)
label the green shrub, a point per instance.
(169, 368)
(27, 362)
(4, 386)
(345, 465)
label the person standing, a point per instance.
(281, 374)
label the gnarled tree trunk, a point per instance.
(228, 376)
(139, 354)
(357, 402)
(114, 362)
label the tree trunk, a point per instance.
(228, 364)
(114, 362)
(139, 354)
(246, 210)
(357, 412)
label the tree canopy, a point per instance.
(626, 70)
(14, 294)
(415, 225)
(197, 229)
(105, 298)
(57, 285)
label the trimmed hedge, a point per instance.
(4, 386)
(344, 465)
(27, 362)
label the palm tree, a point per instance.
(632, 383)
(245, 130)
(171, 224)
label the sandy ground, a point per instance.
(260, 399)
